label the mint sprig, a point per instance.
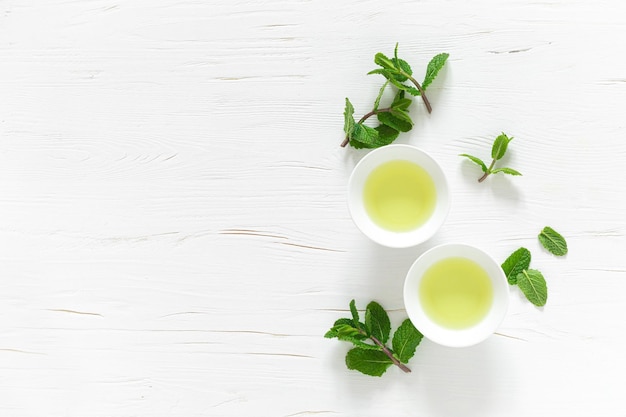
(498, 149)
(370, 355)
(394, 118)
(397, 71)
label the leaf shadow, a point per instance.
(500, 185)
(504, 187)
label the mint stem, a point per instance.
(364, 118)
(421, 90)
(486, 174)
(387, 352)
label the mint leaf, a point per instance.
(515, 264)
(355, 314)
(534, 286)
(397, 119)
(333, 330)
(499, 146)
(360, 343)
(381, 60)
(401, 115)
(400, 102)
(365, 135)
(386, 134)
(385, 73)
(412, 90)
(395, 54)
(393, 80)
(476, 160)
(347, 330)
(404, 66)
(377, 322)
(348, 117)
(368, 362)
(553, 241)
(358, 145)
(509, 171)
(405, 340)
(380, 95)
(433, 68)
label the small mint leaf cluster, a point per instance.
(531, 281)
(370, 354)
(395, 118)
(498, 149)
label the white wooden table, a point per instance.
(174, 234)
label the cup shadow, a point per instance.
(462, 382)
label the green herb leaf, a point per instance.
(348, 333)
(380, 95)
(377, 322)
(553, 241)
(393, 79)
(358, 145)
(386, 134)
(348, 116)
(401, 115)
(411, 90)
(515, 264)
(360, 343)
(368, 362)
(365, 135)
(333, 331)
(405, 340)
(346, 330)
(499, 146)
(385, 73)
(400, 102)
(434, 66)
(509, 171)
(355, 314)
(397, 119)
(403, 66)
(476, 160)
(534, 286)
(395, 51)
(381, 60)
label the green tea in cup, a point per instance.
(398, 196)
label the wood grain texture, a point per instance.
(174, 233)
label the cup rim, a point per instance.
(456, 337)
(375, 232)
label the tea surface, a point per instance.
(456, 293)
(399, 195)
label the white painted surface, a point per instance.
(174, 235)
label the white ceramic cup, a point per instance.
(395, 239)
(456, 337)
